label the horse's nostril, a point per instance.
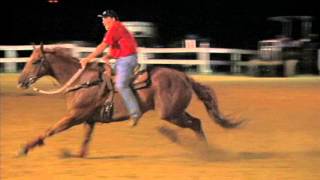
(23, 84)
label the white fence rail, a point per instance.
(145, 56)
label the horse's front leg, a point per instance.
(89, 127)
(65, 123)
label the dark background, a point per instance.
(229, 24)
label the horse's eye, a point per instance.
(36, 62)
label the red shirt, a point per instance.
(120, 40)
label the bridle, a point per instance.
(39, 63)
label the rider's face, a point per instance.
(108, 22)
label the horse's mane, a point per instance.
(66, 53)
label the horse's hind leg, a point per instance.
(196, 126)
(185, 120)
(65, 123)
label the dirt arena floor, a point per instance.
(280, 139)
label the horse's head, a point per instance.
(36, 67)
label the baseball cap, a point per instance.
(109, 13)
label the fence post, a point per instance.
(10, 66)
(204, 56)
(235, 67)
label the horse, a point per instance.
(170, 93)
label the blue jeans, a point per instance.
(124, 76)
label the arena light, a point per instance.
(53, 1)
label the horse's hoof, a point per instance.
(23, 152)
(65, 153)
(82, 155)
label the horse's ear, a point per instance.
(33, 45)
(50, 50)
(42, 48)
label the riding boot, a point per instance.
(134, 120)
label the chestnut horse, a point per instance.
(170, 93)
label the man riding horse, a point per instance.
(170, 91)
(123, 48)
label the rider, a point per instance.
(123, 47)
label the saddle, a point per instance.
(140, 80)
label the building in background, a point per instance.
(144, 32)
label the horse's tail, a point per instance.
(208, 97)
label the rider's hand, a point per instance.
(106, 59)
(84, 62)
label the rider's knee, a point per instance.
(121, 85)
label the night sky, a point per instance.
(229, 24)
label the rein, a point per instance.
(65, 86)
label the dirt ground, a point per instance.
(280, 139)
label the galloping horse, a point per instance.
(170, 93)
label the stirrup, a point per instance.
(106, 111)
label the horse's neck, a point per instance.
(63, 69)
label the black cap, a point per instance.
(109, 13)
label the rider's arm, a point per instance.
(99, 50)
(91, 57)
(107, 58)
